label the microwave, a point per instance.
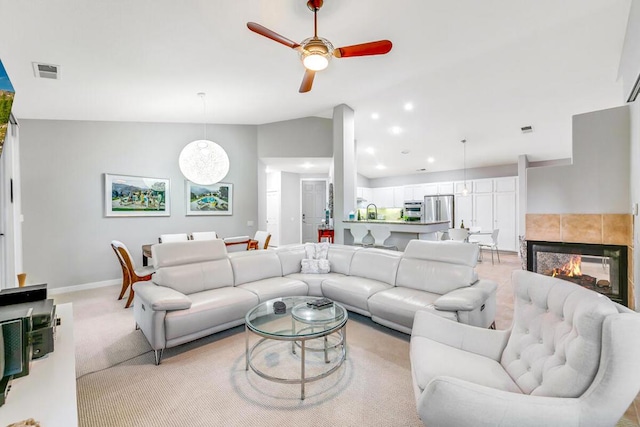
(413, 210)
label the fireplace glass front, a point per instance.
(601, 268)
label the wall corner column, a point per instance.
(344, 168)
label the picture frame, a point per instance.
(128, 195)
(214, 199)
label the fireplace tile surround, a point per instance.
(604, 229)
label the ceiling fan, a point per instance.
(315, 52)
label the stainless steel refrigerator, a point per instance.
(439, 208)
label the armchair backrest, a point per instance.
(437, 266)
(192, 266)
(556, 338)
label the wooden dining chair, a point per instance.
(133, 275)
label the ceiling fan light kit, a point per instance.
(316, 52)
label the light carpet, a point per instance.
(204, 383)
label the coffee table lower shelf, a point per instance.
(298, 339)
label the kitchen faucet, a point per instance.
(375, 213)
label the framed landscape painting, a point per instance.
(126, 195)
(215, 199)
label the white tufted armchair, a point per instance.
(571, 358)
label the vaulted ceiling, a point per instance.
(471, 69)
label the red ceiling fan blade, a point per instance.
(372, 48)
(264, 31)
(307, 81)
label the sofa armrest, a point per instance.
(452, 401)
(485, 342)
(161, 298)
(468, 298)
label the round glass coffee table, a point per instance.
(298, 322)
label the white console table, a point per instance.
(48, 393)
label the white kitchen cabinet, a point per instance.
(505, 220)
(463, 210)
(445, 188)
(482, 211)
(383, 197)
(483, 186)
(429, 190)
(365, 194)
(413, 192)
(458, 187)
(398, 197)
(503, 185)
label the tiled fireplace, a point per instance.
(601, 268)
(591, 250)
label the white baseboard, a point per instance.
(84, 287)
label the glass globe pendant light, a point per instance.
(203, 162)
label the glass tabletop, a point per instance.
(298, 321)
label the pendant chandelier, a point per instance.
(203, 162)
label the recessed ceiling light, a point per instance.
(405, 151)
(375, 116)
(370, 150)
(381, 167)
(396, 130)
(408, 106)
(306, 165)
(430, 159)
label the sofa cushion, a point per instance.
(555, 343)
(431, 359)
(443, 251)
(438, 267)
(209, 309)
(377, 264)
(188, 252)
(250, 266)
(276, 287)
(290, 258)
(340, 257)
(195, 277)
(353, 291)
(399, 305)
(314, 281)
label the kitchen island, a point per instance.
(401, 231)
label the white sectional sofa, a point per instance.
(198, 289)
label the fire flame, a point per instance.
(570, 269)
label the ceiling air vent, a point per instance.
(526, 129)
(46, 71)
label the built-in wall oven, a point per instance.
(413, 210)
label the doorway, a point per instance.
(314, 203)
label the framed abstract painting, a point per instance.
(215, 199)
(126, 195)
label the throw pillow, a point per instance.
(317, 250)
(315, 266)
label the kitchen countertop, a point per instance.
(394, 222)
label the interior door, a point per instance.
(314, 202)
(273, 217)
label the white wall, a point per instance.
(290, 209)
(629, 71)
(305, 137)
(65, 233)
(599, 178)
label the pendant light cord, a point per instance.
(464, 161)
(202, 95)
